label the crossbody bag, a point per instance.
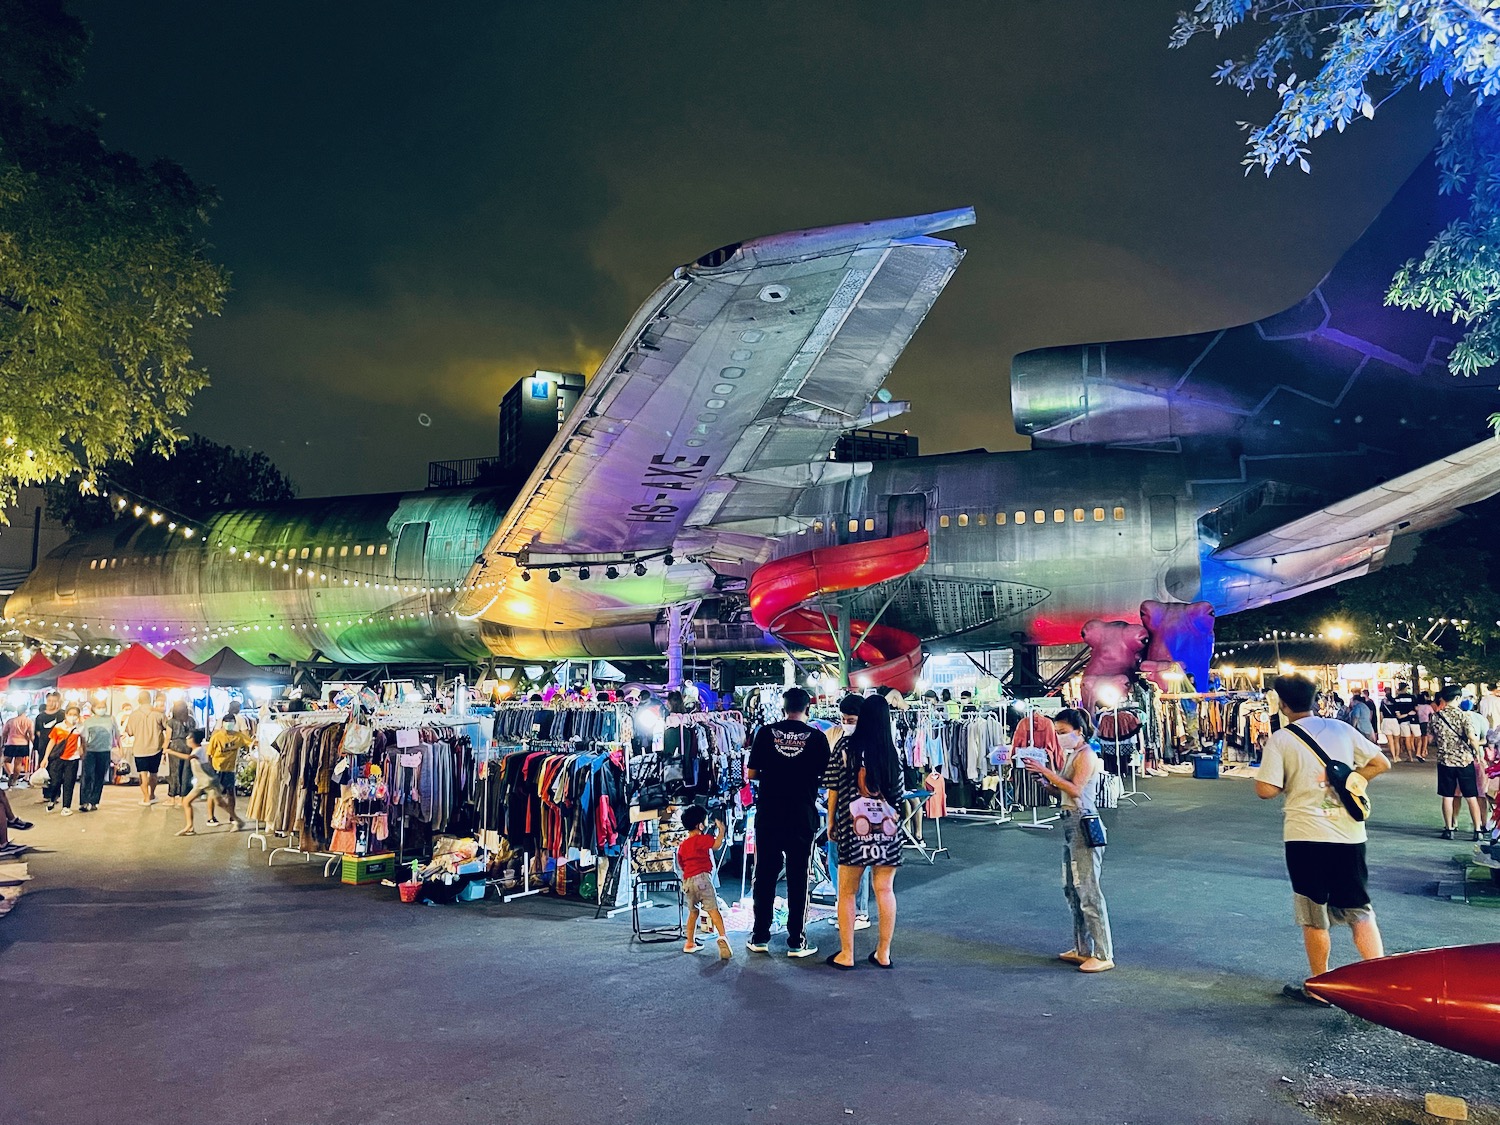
(1357, 805)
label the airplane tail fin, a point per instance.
(1339, 372)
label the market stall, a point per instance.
(37, 665)
(136, 667)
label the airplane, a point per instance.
(1236, 467)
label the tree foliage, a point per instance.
(200, 477)
(103, 270)
(1332, 64)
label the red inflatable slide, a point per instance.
(778, 589)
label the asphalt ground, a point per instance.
(150, 978)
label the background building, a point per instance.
(27, 535)
(531, 413)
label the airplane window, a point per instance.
(1098, 515)
(278, 555)
(981, 519)
(371, 550)
(853, 525)
(112, 564)
(304, 552)
(869, 525)
(382, 548)
(343, 552)
(1020, 517)
(999, 519)
(817, 525)
(1077, 515)
(1038, 516)
(356, 550)
(317, 552)
(942, 521)
(1058, 515)
(93, 564)
(1119, 513)
(963, 519)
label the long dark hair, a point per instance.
(873, 749)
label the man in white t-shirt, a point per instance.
(1489, 706)
(1325, 846)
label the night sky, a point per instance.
(421, 203)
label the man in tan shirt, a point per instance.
(147, 730)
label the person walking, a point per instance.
(1362, 716)
(16, 740)
(787, 761)
(205, 778)
(1489, 706)
(51, 715)
(1423, 711)
(1390, 725)
(147, 730)
(1324, 845)
(101, 742)
(1078, 782)
(179, 772)
(65, 750)
(1454, 745)
(224, 747)
(1479, 729)
(865, 787)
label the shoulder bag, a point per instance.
(1357, 805)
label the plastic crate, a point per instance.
(360, 869)
(1206, 767)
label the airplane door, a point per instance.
(411, 551)
(1163, 523)
(906, 513)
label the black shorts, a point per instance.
(149, 764)
(1329, 874)
(18, 751)
(1455, 781)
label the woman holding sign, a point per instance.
(864, 791)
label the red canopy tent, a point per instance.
(177, 660)
(34, 667)
(137, 666)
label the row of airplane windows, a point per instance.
(358, 550)
(981, 519)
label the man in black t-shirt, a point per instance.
(48, 717)
(787, 762)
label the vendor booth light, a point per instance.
(1109, 696)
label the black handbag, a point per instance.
(1092, 830)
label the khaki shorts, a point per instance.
(1321, 916)
(700, 892)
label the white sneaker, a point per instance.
(861, 921)
(67, 812)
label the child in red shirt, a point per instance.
(695, 858)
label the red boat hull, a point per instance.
(1450, 997)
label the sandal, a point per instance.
(878, 964)
(832, 959)
(187, 832)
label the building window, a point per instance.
(1039, 516)
(869, 525)
(1119, 514)
(942, 521)
(1098, 515)
(999, 519)
(981, 518)
(963, 519)
(1020, 517)
(1077, 515)
(1058, 515)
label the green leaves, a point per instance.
(103, 271)
(1366, 53)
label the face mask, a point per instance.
(849, 728)
(1070, 741)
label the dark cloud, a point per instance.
(421, 203)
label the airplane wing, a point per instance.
(716, 408)
(1422, 499)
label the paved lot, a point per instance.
(149, 978)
